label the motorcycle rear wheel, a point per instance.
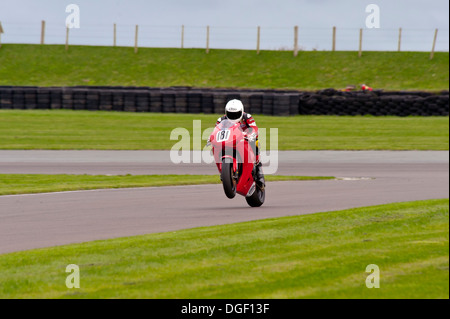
(228, 182)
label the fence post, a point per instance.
(67, 37)
(295, 40)
(399, 39)
(258, 40)
(334, 39)
(434, 44)
(360, 42)
(182, 36)
(43, 32)
(136, 39)
(207, 39)
(115, 35)
(1, 31)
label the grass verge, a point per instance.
(139, 131)
(12, 184)
(51, 65)
(308, 256)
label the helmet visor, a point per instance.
(234, 115)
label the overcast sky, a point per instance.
(233, 22)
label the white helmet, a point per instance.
(234, 110)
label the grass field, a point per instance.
(11, 184)
(51, 65)
(311, 256)
(63, 129)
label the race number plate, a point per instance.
(223, 136)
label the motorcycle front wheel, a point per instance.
(228, 182)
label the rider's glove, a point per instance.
(208, 143)
(250, 137)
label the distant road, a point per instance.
(158, 162)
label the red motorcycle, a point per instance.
(235, 159)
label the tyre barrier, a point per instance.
(208, 101)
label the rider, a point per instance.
(234, 111)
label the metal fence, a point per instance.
(223, 37)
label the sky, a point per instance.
(233, 23)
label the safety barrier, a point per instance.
(201, 100)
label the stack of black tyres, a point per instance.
(18, 98)
(142, 98)
(281, 104)
(105, 100)
(66, 98)
(56, 98)
(92, 100)
(293, 103)
(207, 102)
(43, 98)
(118, 100)
(129, 100)
(30, 97)
(79, 98)
(181, 101)
(267, 103)
(255, 103)
(193, 100)
(155, 101)
(168, 100)
(6, 98)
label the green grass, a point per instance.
(11, 184)
(63, 129)
(51, 65)
(311, 256)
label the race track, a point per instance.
(44, 220)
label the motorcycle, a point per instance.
(235, 160)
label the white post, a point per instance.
(399, 39)
(182, 36)
(295, 40)
(360, 42)
(67, 37)
(434, 44)
(258, 40)
(115, 35)
(207, 39)
(136, 39)
(42, 32)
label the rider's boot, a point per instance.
(259, 176)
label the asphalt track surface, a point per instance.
(44, 220)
